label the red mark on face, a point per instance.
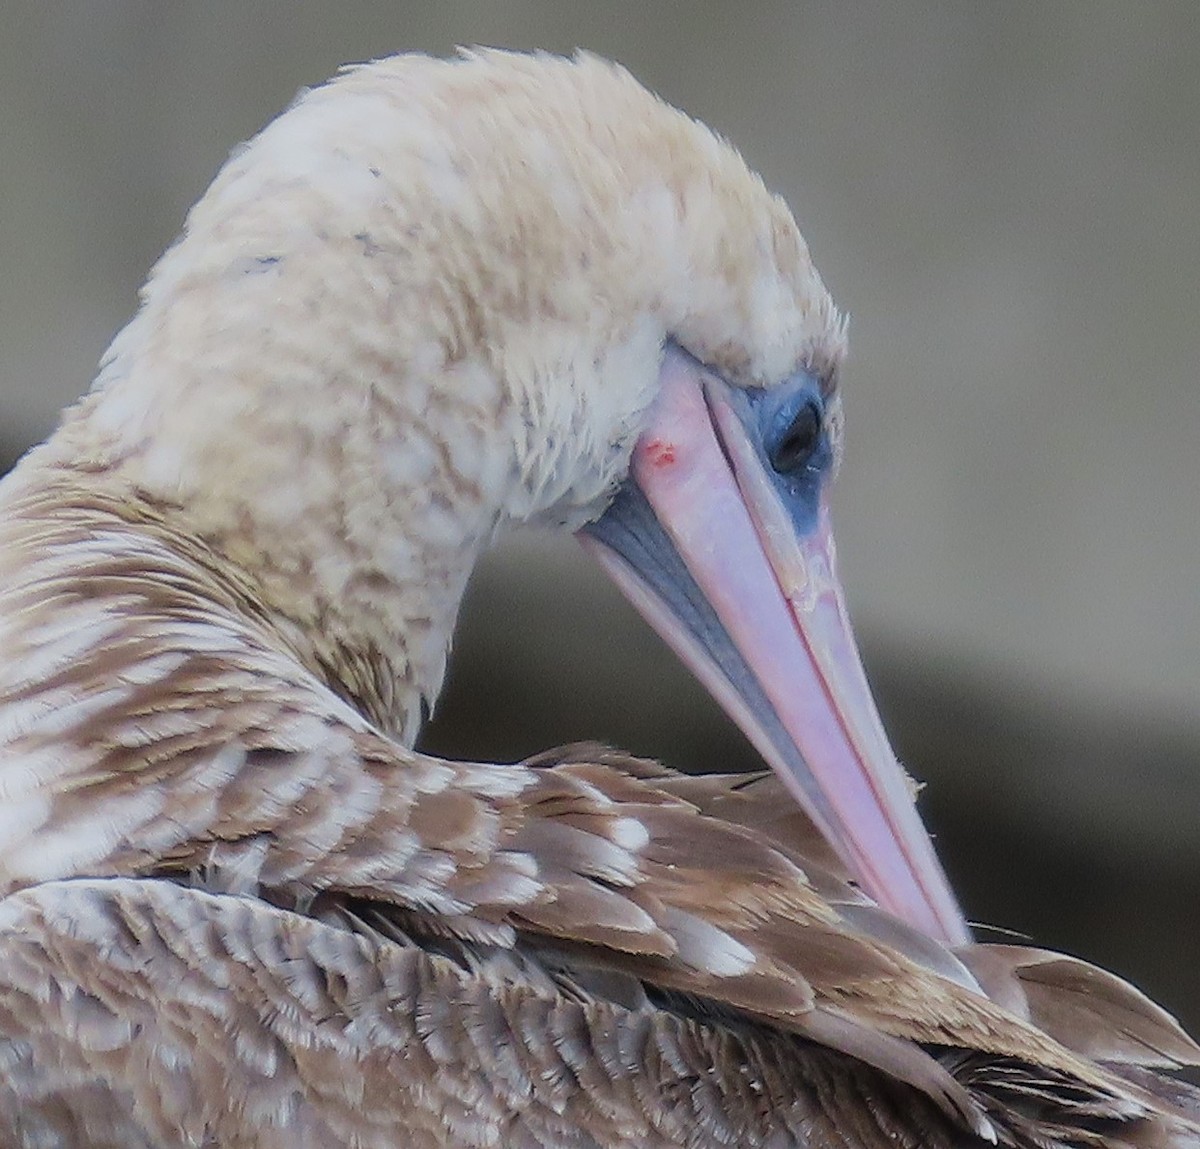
(659, 453)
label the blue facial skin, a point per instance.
(770, 418)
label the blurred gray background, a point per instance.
(1006, 198)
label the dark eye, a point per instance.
(797, 443)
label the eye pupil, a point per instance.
(799, 441)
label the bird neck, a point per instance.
(352, 371)
(352, 526)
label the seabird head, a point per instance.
(436, 299)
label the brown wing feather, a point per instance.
(1089, 1010)
(230, 1016)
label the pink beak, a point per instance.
(701, 541)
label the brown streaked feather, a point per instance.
(229, 1015)
(696, 889)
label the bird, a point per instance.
(435, 301)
